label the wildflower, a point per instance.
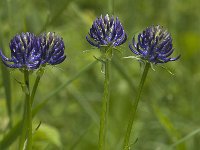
(52, 48)
(25, 53)
(30, 52)
(154, 45)
(106, 32)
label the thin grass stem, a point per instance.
(182, 140)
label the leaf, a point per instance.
(46, 134)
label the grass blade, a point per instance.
(7, 89)
(190, 135)
(168, 126)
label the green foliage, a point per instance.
(46, 137)
(69, 96)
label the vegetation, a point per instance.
(67, 104)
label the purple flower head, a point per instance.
(106, 31)
(52, 48)
(30, 52)
(25, 53)
(154, 45)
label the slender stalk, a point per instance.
(25, 89)
(134, 107)
(27, 115)
(29, 111)
(105, 101)
(24, 127)
(37, 80)
(184, 139)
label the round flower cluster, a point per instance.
(30, 52)
(106, 31)
(154, 45)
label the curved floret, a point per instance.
(24, 52)
(154, 45)
(106, 31)
(52, 48)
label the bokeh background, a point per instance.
(169, 106)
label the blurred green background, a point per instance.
(169, 107)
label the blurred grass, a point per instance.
(72, 112)
(8, 93)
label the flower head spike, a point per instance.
(52, 47)
(154, 45)
(24, 52)
(106, 31)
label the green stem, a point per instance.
(29, 112)
(105, 101)
(37, 80)
(24, 127)
(27, 116)
(134, 107)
